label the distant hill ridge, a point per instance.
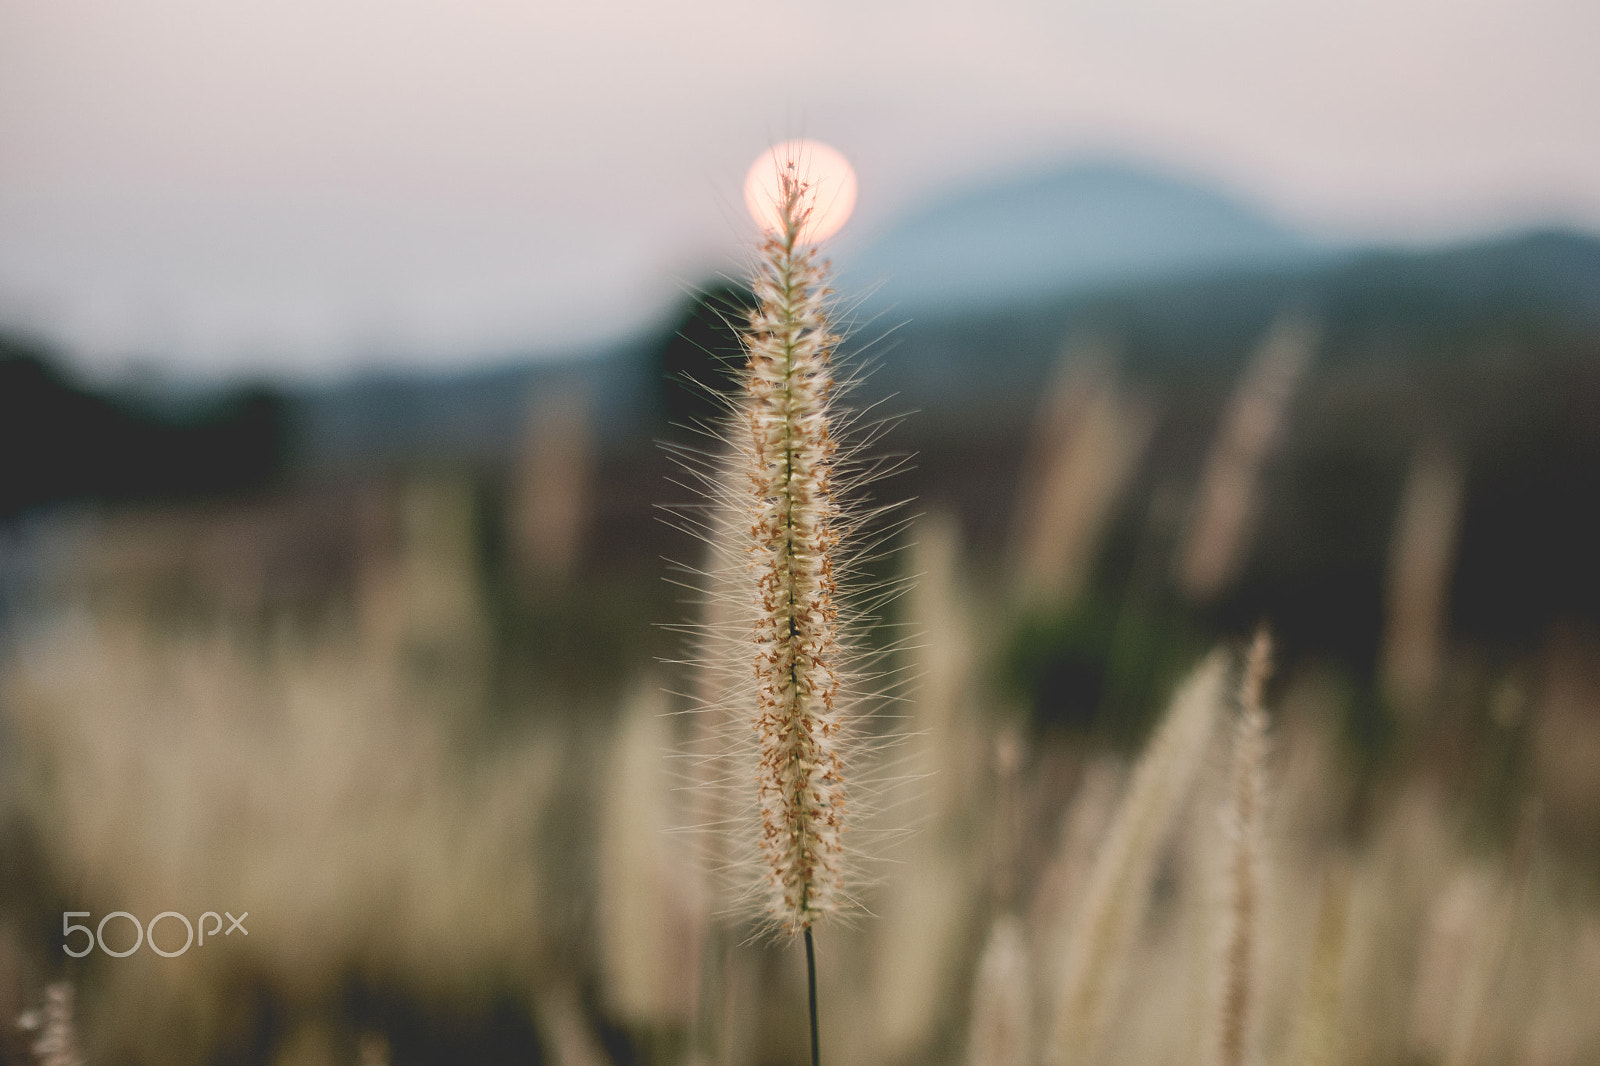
(1069, 227)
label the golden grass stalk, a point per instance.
(1061, 883)
(650, 924)
(1222, 522)
(372, 1050)
(550, 491)
(563, 1029)
(1422, 556)
(1461, 974)
(922, 929)
(1236, 1008)
(1088, 440)
(1102, 934)
(1318, 1038)
(1002, 1000)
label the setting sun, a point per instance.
(830, 179)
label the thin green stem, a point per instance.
(811, 987)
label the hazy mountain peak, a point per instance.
(1065, 228)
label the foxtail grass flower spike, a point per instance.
(796, 527)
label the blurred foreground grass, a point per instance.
(416, 725)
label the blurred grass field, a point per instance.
(413, 715)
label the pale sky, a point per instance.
(299, 187)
